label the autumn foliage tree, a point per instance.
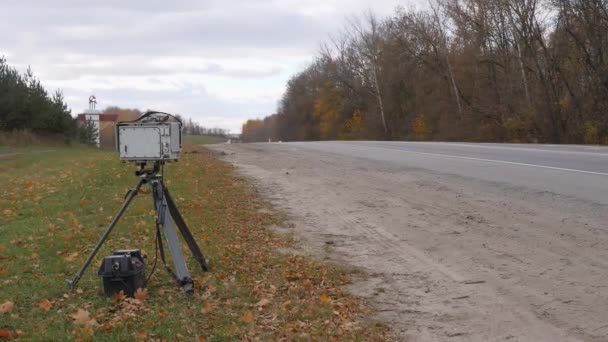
(479, 70)
(327, 109)
(419, 128)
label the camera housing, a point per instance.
(153, 137)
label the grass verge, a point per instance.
(55, 205)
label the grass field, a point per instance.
(55, 204)
(203, 139)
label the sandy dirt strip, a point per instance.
(447, 258)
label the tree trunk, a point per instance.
(454, 86)
(379, 99)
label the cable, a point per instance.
(152, 112)
(155, 259)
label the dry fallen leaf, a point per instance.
(324, 298)
(208, 307)
(262, 303)
(81, 317)
(119, 297)
(308, 285)
(7, 334)
(141, 294)
(248, 317)
(45, 305)
(141, 334)
(71, 257)
(7, 307)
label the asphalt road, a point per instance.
(573, 171)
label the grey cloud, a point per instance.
(109, 31)
(247, 47)
(139, 67)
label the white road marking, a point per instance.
(524, 149)
(484, 160)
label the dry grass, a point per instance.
(26, 138)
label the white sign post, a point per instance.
(93, 114)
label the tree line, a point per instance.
(462, 70)
(26, 105)
(194, 128)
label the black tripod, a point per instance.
(166, 215)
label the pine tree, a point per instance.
(88, 133)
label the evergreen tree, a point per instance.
(25, 104)
(88, 133)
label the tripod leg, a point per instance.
(183, 228)
(165, 219)
(132, 193)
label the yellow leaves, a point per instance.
(327, 109)
(205, 238)
(83, 318)
(352, 127)
(247, 317)
(420, 128)
(45, 305)
(324, 298)
(7, 307)
(141, 294)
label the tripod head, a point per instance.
(155, 170)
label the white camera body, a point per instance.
(149, 141)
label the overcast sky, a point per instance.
(219, 62)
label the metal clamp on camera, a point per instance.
(153, 138)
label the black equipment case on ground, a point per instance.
(122, 271)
